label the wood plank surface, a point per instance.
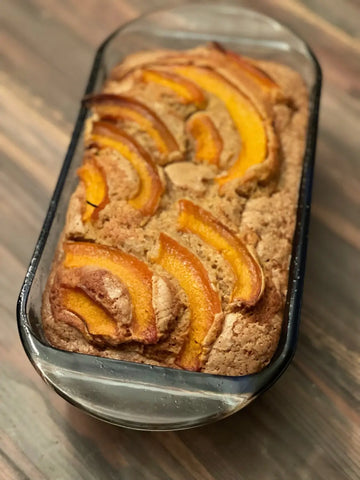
(307, 426)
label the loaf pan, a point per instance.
(143, 396)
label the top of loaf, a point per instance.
(178, 236)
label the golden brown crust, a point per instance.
(260, 205)
(249, 339)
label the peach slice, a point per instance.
(208, 143)
(97, 320)
(135, 275)
(247, 120)
(99, 302)
(251, 70)
(108, 105)
(249, 283)
(96, 192)
(107, 135)
(186, 90)
(204, 301)
(246, 67)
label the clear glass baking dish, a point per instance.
(142, 396)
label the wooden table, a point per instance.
(308, 425)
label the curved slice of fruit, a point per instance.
(204, 301)
(208, 143)
(108, 105)
(96, 192)
(135, 275)
(247, 120)
(244, 66)
(186, 90)
(249, 283)
(147, 199)
(256, 73)
(97, 320)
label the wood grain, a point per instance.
(308, 425)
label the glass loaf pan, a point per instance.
(142, 396)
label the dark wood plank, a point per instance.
(308, 425)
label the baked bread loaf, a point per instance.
(178, 236)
